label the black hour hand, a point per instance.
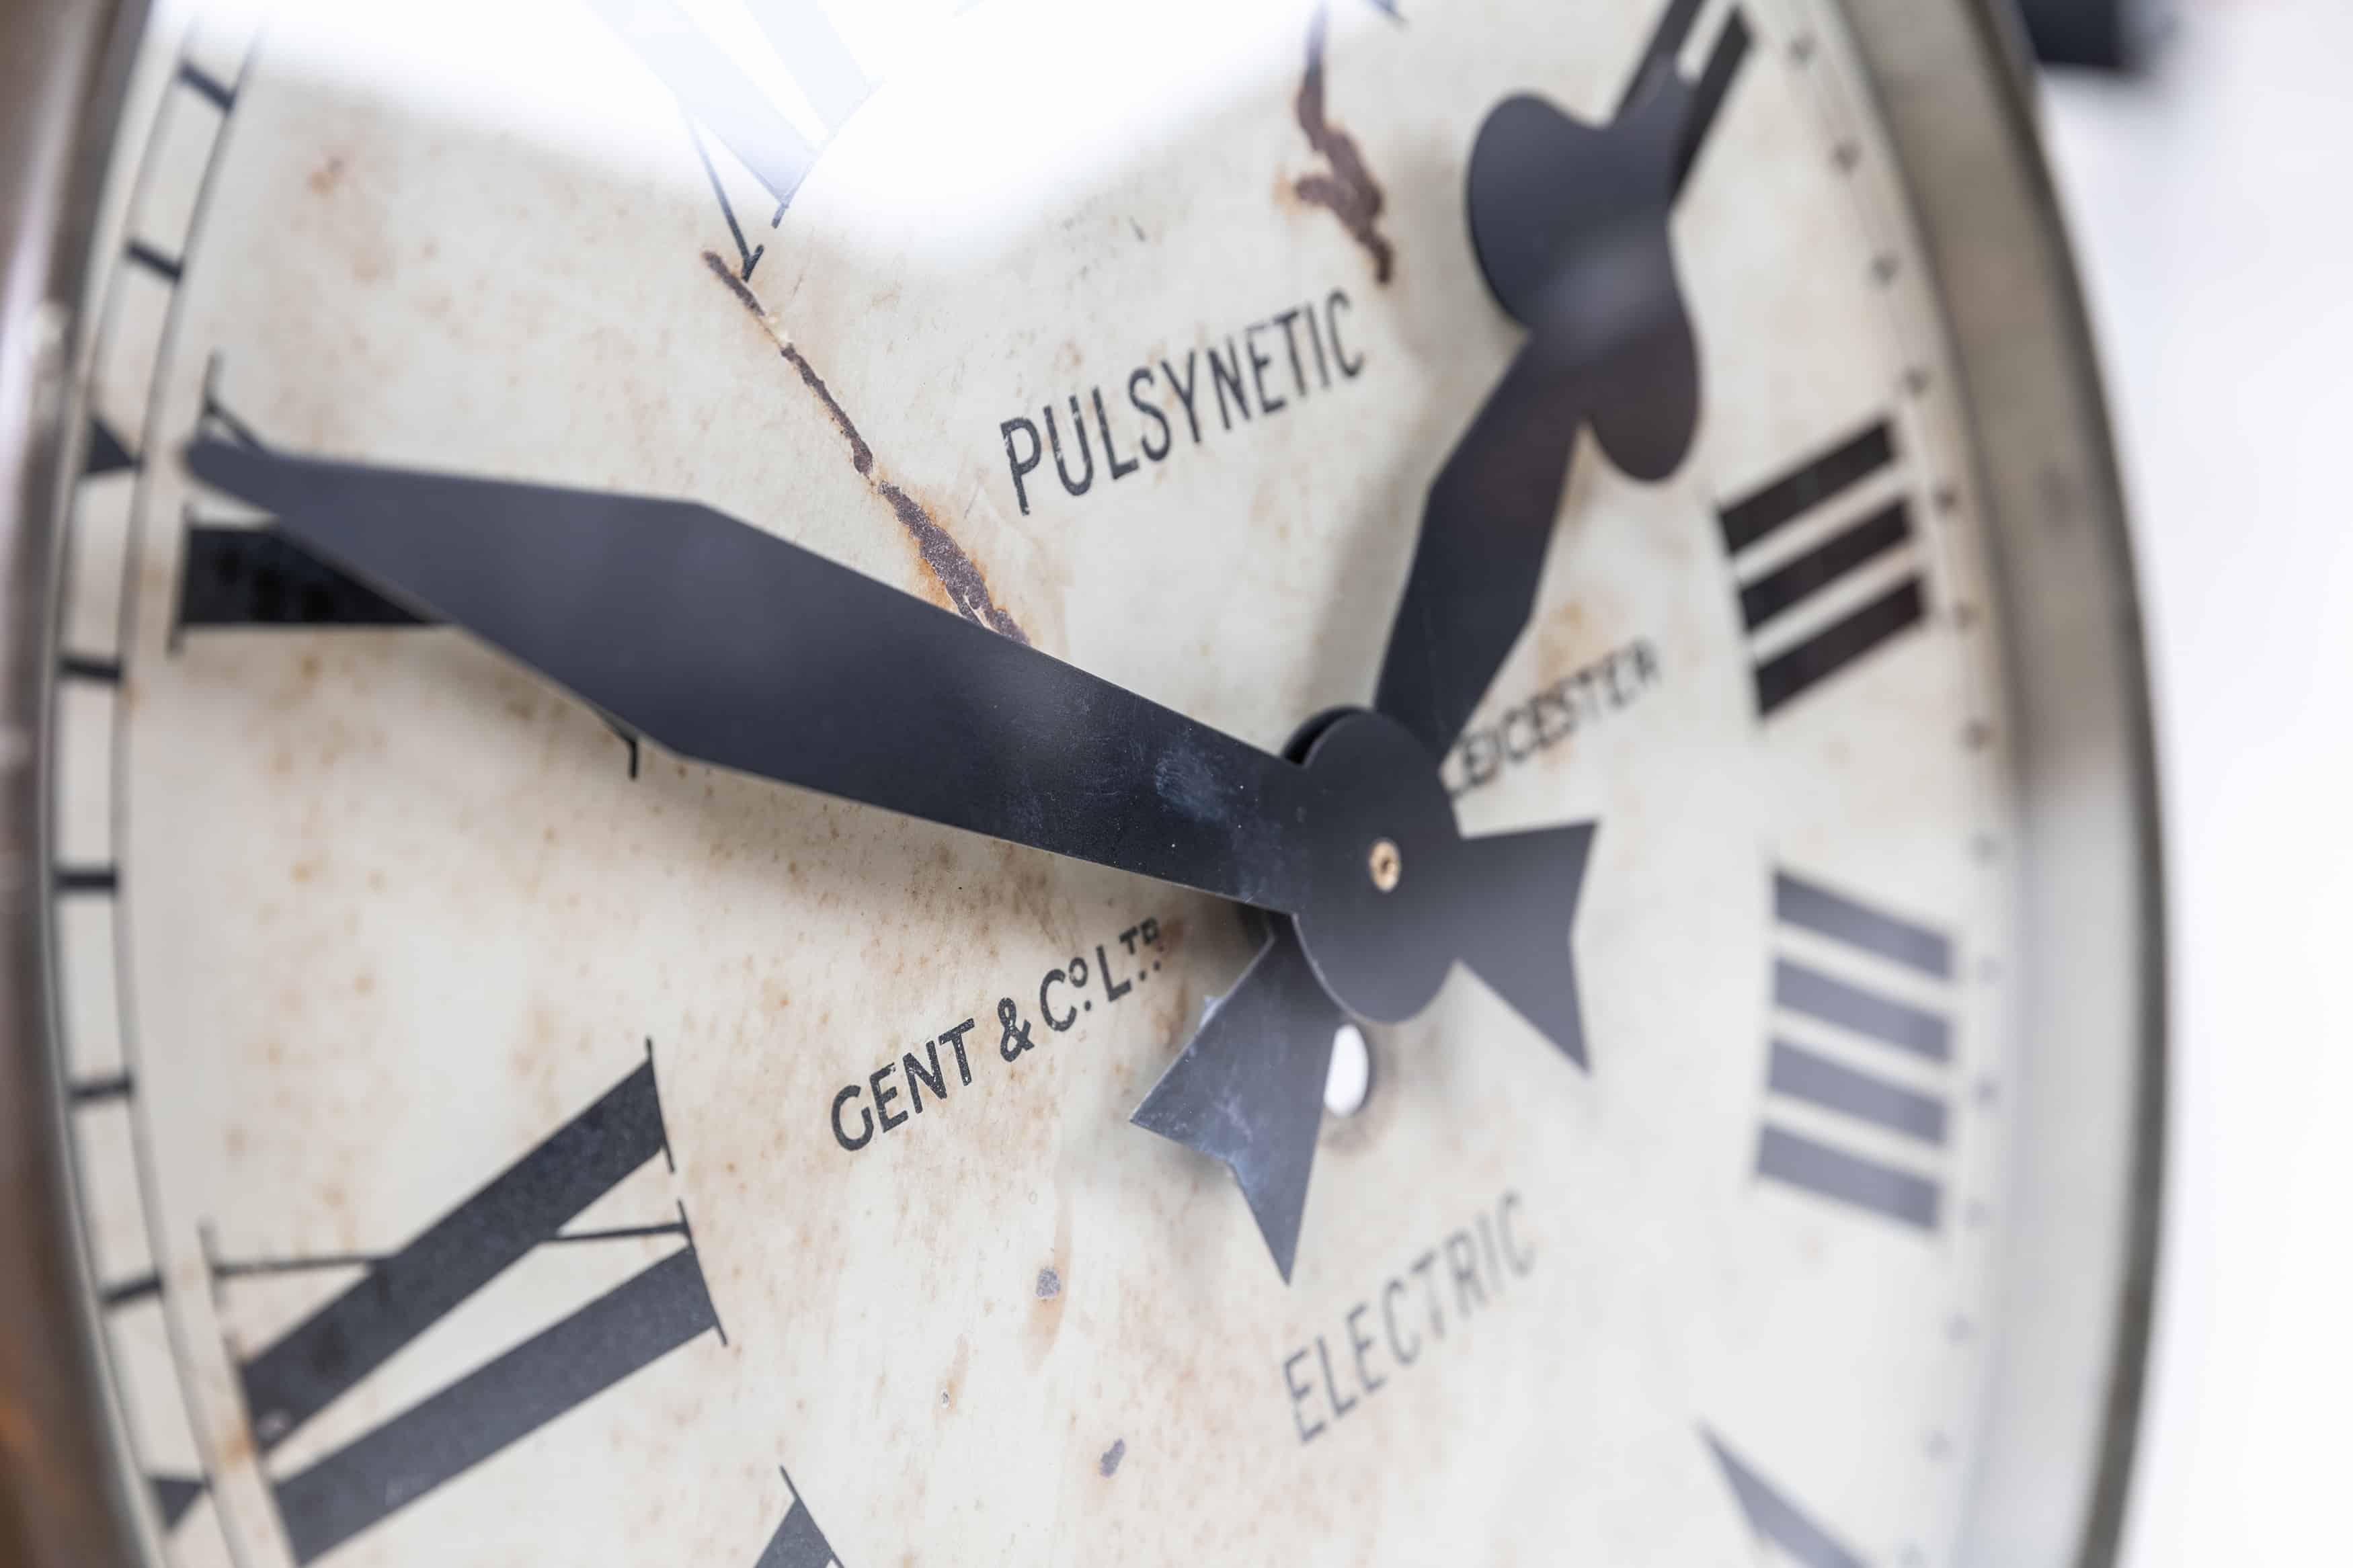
(728, 644)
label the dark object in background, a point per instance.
(2111, 34)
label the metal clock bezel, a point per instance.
(2079, 1265)
(64, 68)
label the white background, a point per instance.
(2212, 207)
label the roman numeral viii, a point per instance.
(402, 1294)
(1854, 1102)
(1826, 577)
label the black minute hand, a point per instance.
(733, 646)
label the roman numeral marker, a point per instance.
(1842, 919)
(219, 96)
(1794, 494)
(131, 1292)
(107, 452)
(1774, 1518)
(174, 1496)
(242, 577)
(1833, 1174)
(722, 101)
(256, 577)
(499, 1404)
(1869, 942)
(725, 101)
(90, 667)
(798, 1542)
(93, 1091)
(1800, 1074)
(1792, 586)
(1833, 1001)
(821, 64)
(167, 268)
(315, 1363)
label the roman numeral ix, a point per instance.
(1838, 1033)
(1803, 624)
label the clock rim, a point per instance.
(2060, 1451)
(2064, 1395)
(65, 69)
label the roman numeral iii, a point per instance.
(1855, 1110)
(1803, 620)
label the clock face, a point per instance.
(1031, 781)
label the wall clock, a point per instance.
(794, 783)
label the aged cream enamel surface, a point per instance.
(391, 909)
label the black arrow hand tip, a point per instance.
(1248, 1089)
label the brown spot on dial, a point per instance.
(952, 1387)
(1051, 1291)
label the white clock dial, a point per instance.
(531, 1100)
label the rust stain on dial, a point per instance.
(948, 563)
(1348, 190)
